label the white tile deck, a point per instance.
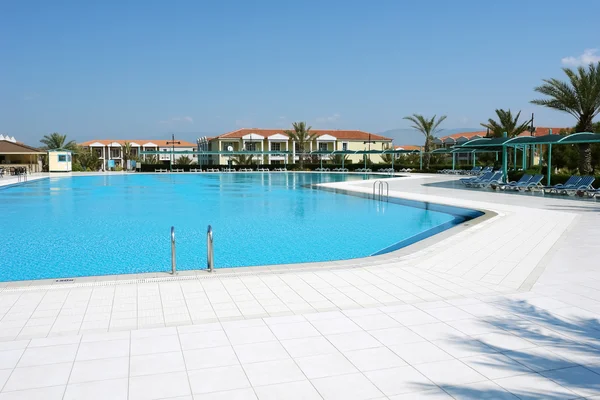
(507, 306)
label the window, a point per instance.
(226, 145)
(345, 146)
(98, 152)
(297, 147)
(275, 146)
(251, 146)
(115, 153)
(62, 158)
(322, 146)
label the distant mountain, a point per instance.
(410, 136)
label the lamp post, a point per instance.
(172, 143)
(369, 153)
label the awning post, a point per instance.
(421, 160)
(453, 161)
(549, 163)
(504, 162)
(524, 159)
(474, 159)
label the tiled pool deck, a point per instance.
(507, 307)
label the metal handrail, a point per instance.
(380, 186)
(210, 260)
(173, 264)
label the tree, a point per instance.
(506, 123)
(387, 158)
(151, 159)
(428, 127)
(580, 97)
(242, 159)
(302, 136)
(337, 159)
(88, 160)
(57, 141)
(183, 160)
(126, 150)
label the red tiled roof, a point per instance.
(407, 147)
(141, 142)
(339, 134)
(539, 131)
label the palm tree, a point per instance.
(57, 141)
(428, 127)
(337, 159)
(88, 160)
(387, 158)
(126, 150)
(580, 97)
(242, 159)
(302, 136)
(183, 160)
(506, 123)
(151, 159)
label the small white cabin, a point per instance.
(60, 161)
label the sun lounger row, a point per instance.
(574, 185)
(364, 170)
(527, 182)
(340, 169)
(321, 169)
(485, 180)
(386, 170)
(473, 171)
(581, 185)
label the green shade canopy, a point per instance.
(582, 137)
(443, 150)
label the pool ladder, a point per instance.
(210, 252)
(381, 190)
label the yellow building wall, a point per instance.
(353, 145)
(359, 146)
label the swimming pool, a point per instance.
(117, 224)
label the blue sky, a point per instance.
(137, 69)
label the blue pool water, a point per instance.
(99, 225)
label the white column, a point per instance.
(293, 152)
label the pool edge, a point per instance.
(361, 262)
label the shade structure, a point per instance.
(500, 144)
